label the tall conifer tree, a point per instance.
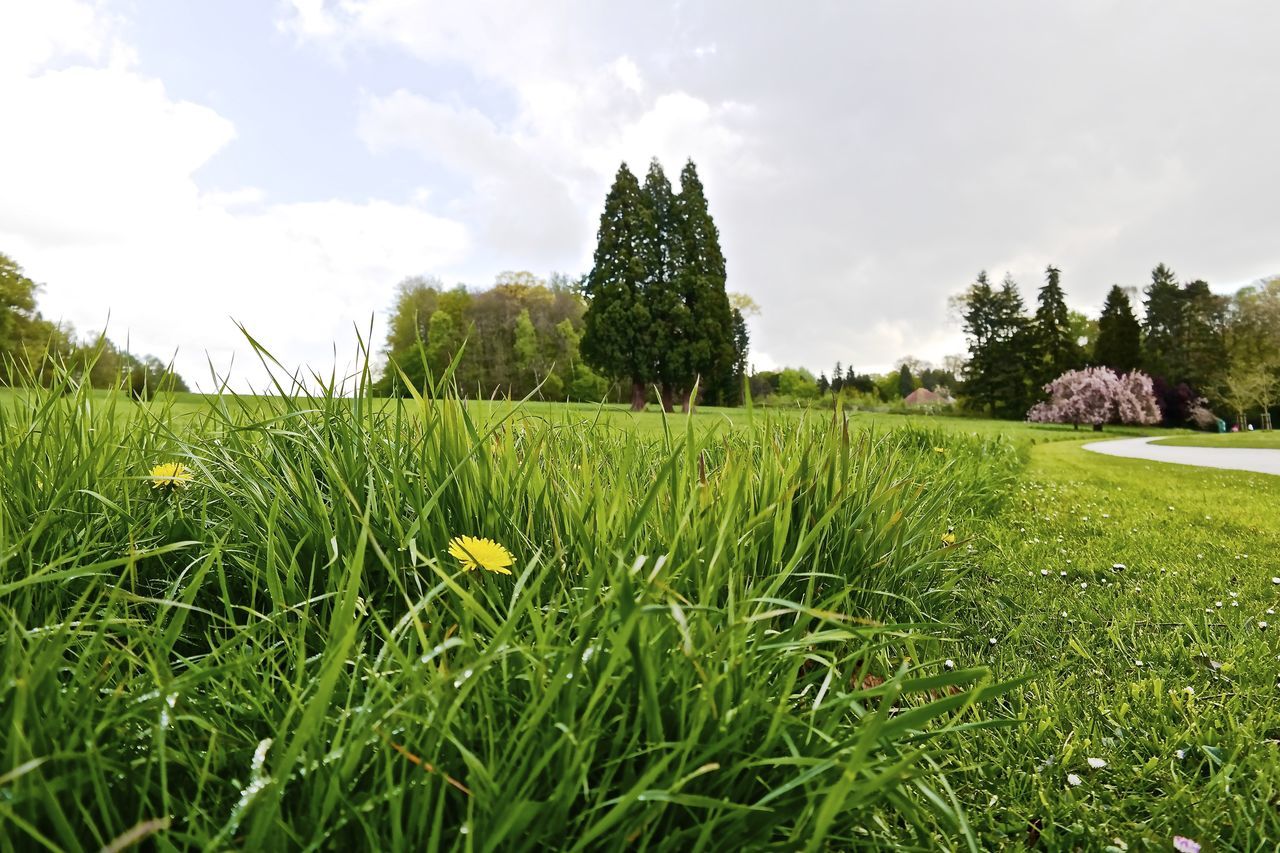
(708, 347)
(617, 337)
(1119, 344)
(1162, 328)
(663, 260)
(1055, 349)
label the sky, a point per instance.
(174, 170)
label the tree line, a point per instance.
(521, 336)
(37, 351)
(1192, 342)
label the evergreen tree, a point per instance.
(618, 330)
(823, 384)
(708, 348)
(851, 379)
(1119, 344)
(1055, 349)
(837, 379)
(1204, 344)
(669, 317)
(996, 325)
(905, 383)
(1162, 328)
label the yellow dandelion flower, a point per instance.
(948, 539)
(472, 551)
(939, 450)
(170, 475)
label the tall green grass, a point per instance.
(712, 639)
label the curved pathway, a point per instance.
(1258, 460)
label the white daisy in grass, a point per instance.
(1097, 763)
(1074, 781)
(1262, 625)
(1276, 581)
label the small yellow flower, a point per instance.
(170, 475)
(939, 450)
(948, 539)
(485, 553)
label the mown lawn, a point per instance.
(1257, 438)
(1140, 600)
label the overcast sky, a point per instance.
(178, 165)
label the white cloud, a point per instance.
(98, 200)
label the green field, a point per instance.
(1257, 438)
(735, 630)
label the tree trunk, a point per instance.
(686, 404)
(668, 396)
(637, 396)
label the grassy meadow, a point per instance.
(736, 630)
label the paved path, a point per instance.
(1235, 458)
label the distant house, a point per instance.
(922, 397)
(925, 397)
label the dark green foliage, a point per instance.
(710, 348)
(1203, 345)
(1185, 331)
(658, 311)
(618, 336)
(906, 384)
(1000, 347)
(1162, 326)
(1055, 349)
(1119, 344)
(671, 326)
(837, 378)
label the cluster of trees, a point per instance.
(520, 336)
(1013, 355)
(658, 314)
(1190, 342)
(36, 350)
(855, 388)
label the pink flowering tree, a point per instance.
(1097, 396)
